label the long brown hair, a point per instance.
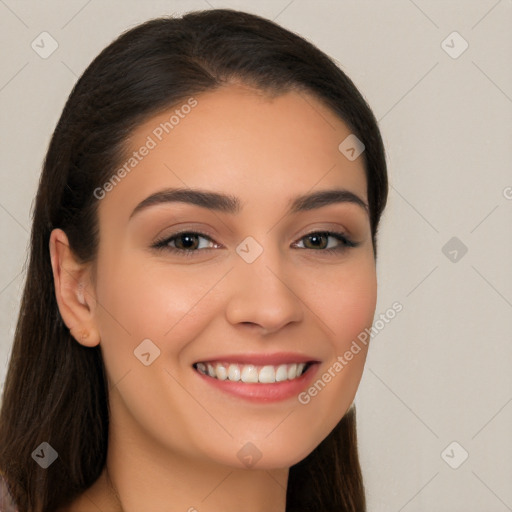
(55, 390)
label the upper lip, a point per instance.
(261, 359)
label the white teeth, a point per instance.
(292, 371)
(267, 375)
(249, 373)
(282, 373)
(221, 372)
(234, 372)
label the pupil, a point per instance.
(316, 238)
(189, 238)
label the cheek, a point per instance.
(138, 302)
(344, 301)
(347, 306)
(351, 313)
(141, 303)
(353, 309)
(169, 305)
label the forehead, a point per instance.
(237, 140)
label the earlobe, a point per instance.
(73, 290)
(81, 335)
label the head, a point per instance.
(233, 110)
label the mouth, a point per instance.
(251, 373)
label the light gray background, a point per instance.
(440, 371)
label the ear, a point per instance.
(73, 290)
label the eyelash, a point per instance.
(163, 244)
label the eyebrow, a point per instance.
(226, 203)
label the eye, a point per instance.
(320, 241)
(185, 242)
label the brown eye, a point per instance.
(319, 240)
(186, 242)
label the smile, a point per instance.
(249, 373)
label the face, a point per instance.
(245, 282)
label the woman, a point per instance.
(202, 261)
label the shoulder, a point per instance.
(6, 502)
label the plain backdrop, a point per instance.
(435, 402)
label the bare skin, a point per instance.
(174, 438)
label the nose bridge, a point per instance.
(261, 292)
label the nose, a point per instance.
(262, 294)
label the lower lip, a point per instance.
(257, 392)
